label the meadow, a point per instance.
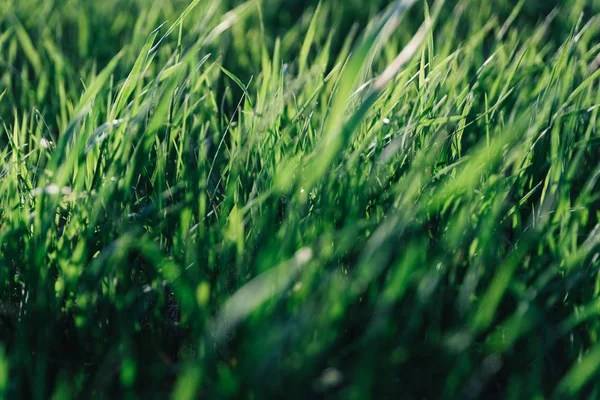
(303, 199)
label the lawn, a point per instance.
(304, 199)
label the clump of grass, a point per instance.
(209, 199)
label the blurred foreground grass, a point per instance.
(348, 198)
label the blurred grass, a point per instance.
(256, 199)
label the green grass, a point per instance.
(347, 199)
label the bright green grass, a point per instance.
(353, 199)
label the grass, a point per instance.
(225, 199)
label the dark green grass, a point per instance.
(272, 198)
